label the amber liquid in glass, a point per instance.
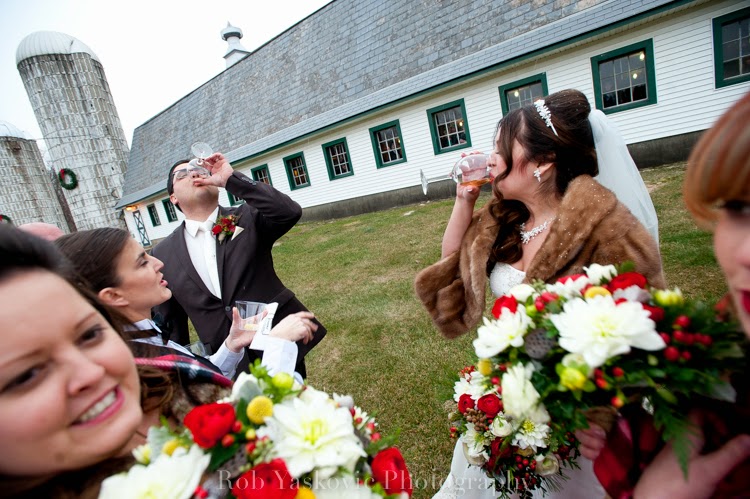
(476, 183)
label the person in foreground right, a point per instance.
(717, 193)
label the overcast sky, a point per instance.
(153, 51)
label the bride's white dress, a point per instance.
(470, 482)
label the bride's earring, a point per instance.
(538, 175)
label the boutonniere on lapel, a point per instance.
(226, 226)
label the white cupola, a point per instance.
(235, 52)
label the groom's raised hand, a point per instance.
(220, 170)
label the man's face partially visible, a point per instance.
(188, 193)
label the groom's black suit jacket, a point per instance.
(245, 267)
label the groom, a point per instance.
(209, 268)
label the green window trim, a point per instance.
(376, 143)
(329, 162)
(290, 176)
(169, 210)
(503, 89)
(647, 46)
(434, 132)
(255, 173)
(718, 23)
(233, 201)
(155, 222)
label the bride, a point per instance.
(548, 218)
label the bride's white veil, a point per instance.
(618, 173)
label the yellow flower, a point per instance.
(484, 366)
(250, 434)
(259, 409)
(304, 493)
(170, 447)
(596, 291)
(572, 379)
(282, 381)
(667, 297)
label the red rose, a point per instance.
(490, 405)
(626, 280)
(216, 230)
(465, 402)
(209, 423)
(496, 454)
(657, 313)
(389, 470)
(506, 301)
(266, 481)
(567, 278)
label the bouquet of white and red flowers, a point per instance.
(553, 356)
(272, 438)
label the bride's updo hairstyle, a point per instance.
(571, 150)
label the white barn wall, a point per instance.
(687, 101)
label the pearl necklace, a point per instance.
(527, 236)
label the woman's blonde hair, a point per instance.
(719, 166)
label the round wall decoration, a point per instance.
(68, 179)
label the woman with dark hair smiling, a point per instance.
(73, 402)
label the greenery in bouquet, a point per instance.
(554, 356)
(272, 438)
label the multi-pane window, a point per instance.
(624, 78)
(448, 127)
(732, 48)
(523, 92)
(296, 171)
(261, 174)
(233, 200)
(337, 159)
(169, 210)
(387, 144)
(154, 215)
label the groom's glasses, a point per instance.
(184, 172)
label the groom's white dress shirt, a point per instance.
(201, 246)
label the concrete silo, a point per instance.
(69, 93)
(29, 192)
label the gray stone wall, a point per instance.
(76, 113)
(27, 192)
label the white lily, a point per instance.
(600, 273)
(520, 398)
(497, 335)
(314, 434)
(167, 477)
(599, 329)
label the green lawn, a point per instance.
(357, 275)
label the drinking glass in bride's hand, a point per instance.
(471, 170)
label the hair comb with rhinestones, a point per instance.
(543, 111)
